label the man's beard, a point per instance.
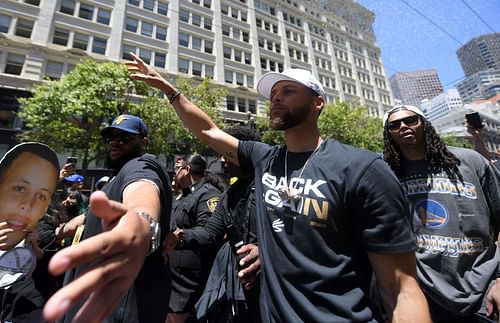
(117, 164)
(288, 120)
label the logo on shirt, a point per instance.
(278, 225)
(212, 203)
(432, 214)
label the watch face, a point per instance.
(155, 236)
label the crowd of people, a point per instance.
(311, 231)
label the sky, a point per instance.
(409, 41)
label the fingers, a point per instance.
(85, 284)
(105, 208)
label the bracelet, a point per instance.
(174, 96)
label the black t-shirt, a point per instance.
(315, 266)
(147, 299)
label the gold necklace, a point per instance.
(291, 194)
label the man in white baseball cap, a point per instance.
(304, 77)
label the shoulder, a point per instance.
(349, 155)
(468, 156)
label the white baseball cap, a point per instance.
(267, 81)
(402, 107)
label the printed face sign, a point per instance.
(28, 178)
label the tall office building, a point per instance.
(441, 105)
(232, 42)
(413, 87)
(480, 85)
(480, 54)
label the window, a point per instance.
(237, 55)
(86, 11)
(184, 15)
(208, 46)
(227, 52)
(196, 20)
(103, 16)
(61, 36)
(4, 23)
(183, 39)
(161, 33)
(226, 30)
(24, 27)
(145, 55)
(249, 81)
(239, 79)
(224, 9)
(252, 106)
(99, 45)
(228, 76)
(196, 68)
(243, 16)
(149, 5)
(196, 43)
(246, 36)
(207, 3)
(33, 2)
(207, 23)
(80, 41)
(162, 8)
(241, 105)
(160, 59)
(126, 50)
(236, 33)
(209, 71)
(183, 65)
(230, 103)
(234, 13)
(67, 6)
(134, 2)
(248, 58)
(131, 24)
(54, 70)
(14, 64)
(146, 29)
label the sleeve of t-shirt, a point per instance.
(490, 184)
(250, 153)
(143, 168)
(381, 211)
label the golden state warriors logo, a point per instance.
(212, 203)
(120, 119)
(431, 214)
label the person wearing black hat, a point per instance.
(190, 267)
(324, 224)
(116, 272)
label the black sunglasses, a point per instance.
(396, 124)
(120, 139)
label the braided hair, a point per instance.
(436, 152)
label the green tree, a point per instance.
(341, 121)
(67, 114)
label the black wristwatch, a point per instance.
(155, 231)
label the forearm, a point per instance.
(480, 146)
(411, 305)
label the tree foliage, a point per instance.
(68, 114)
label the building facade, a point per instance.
(480, 85)
(231, 42)
(480, 54)
(413, 87)
(441, 105)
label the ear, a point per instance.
(319, 103)
(145, 143)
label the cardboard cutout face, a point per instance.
(28, 178)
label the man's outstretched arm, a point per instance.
(114, 257)
(197, 121)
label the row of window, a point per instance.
(204, 3)
(341, 55)
(295, 36)
(196, 43)
(327, 81)
(345, 71)
(270, 65)
(349, 88)
(360, 62)
(266, 25)
(368, 94)
(322, 47)
(363, 77)
(146, 28)
(292, 19)
(195, 19)
(233, 12)
(265, 7)
(195, 68)
(298, 54)
(64, 37)
(85, 11)
(23, 27)
(317, 30)
(242, 104)
(235, 33)
(237, 55)
(159, 7)
(238, 78)
(270, 45)
(324, 63)
(156, 58)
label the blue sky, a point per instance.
(410, 42)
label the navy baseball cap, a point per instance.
(75, 178)
(127, 123)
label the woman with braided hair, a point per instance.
(455, 203)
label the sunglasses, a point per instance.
(120, 139)
(396, 124)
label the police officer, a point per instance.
(190, 268)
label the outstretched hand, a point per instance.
(146, 73)
(493, 300)
(114, 259)
(249, 275)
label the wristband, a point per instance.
(174, 96)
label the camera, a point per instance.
(474, 120)
(71, 160)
